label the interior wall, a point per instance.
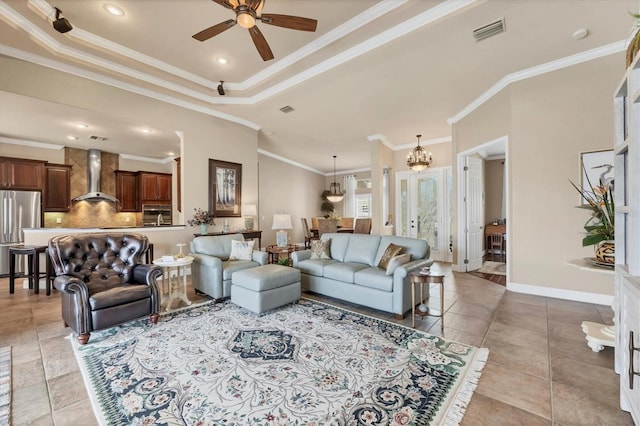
(285, 188)
(493, 188)
(146, 166)
(34, 153)
(205, 136)
(549, 119)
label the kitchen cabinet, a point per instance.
(155, 188)
(57, 194)
(21, 174)
(127, 191)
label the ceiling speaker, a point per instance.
(61, 24)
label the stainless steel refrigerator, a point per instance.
(18, 210)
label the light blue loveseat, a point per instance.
(211, 270)
(352, 273)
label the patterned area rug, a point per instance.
(497, 268)
(5, 385)
(304, 364)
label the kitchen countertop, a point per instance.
(110, 228)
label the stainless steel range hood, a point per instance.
(94, 165)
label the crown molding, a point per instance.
(537, 70)
(286, 160)
(33, 144)
(348, 172)
(147, 159)
(423, 143)
(381, 138)
(70, 69)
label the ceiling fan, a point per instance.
(247, 13)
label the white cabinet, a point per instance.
(627, 275)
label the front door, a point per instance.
(424, 209)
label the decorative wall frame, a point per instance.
(225, 188)
(596, 167)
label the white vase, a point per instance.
(203, 229)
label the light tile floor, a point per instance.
(540, 370)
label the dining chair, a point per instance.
(346, 222)
(326, 225)
(314, 223)
(496, 246)
(307, 233)
(362, 226)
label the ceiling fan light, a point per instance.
(245, 20)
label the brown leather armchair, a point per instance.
(102, 281)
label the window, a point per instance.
(363, 205)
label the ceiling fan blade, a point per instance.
(253, 4)
(206, 34)
(224, 3)
(261, 44)
(291, 22)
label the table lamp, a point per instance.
(281, 222)
(249, 211)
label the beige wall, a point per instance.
(23, 151)
(287, 189)
(493, 183)
(549, 119)
(204, 136)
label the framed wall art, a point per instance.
(596, 168)
(225, 188)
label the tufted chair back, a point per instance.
(104, 259)
(102, 281)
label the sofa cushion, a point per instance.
(231, 266)
(339, 243)
(314, 266)
(342, 271)
(391, 251)
(362, 249)
(115, 296)
(241, 250)
(320, 249)
(396, 261)
(374, 278)
(215, 245)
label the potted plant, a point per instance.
(326, 205)
(202, 218)
(600, 227)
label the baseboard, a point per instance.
(559, 293)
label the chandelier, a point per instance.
(418, 159)
(335, 194)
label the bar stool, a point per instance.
(33, 270)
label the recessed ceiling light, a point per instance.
(145, 131)
(222, 60)
(113, 9)
(72, 138)
(81, 125)
(171, 153)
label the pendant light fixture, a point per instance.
(418, 160)
(336, 194)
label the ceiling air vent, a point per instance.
(489, 30)
(98, 138)
(287, 109)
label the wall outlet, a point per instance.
(58, 220)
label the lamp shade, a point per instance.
(249, 210)
(282, 221)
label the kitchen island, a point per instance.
(163, 238)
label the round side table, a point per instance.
(174, 285)
(422, 278)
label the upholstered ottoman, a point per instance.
(265, 287)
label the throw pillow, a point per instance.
(397, 261)
(320, 249)
(241, 250)
(392, 250)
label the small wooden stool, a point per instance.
(33, 269)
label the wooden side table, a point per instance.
(275, 251)
(423, 278)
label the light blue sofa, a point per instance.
(211, 270)
(352, 273)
